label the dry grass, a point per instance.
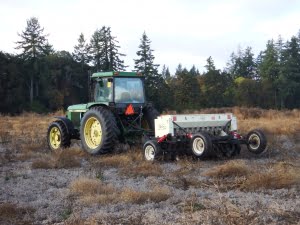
(280, 175)
(142, 169)
(118, 160)
(13, 214)
(26, 128)
(129, 163)
(234, 168)
(87, 186)
(158, 194)
(62, 158)
(91, 191)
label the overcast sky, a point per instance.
(181, 31)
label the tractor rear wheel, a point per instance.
(98, 130)
(57, 135)
(201, 145)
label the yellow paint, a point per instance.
(55, 137)
(92, 133)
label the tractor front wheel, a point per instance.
(98, 130)
(57, 135)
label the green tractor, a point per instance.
(118, 113)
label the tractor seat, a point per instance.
(125, 97)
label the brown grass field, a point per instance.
(69, 186)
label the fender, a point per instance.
(68, 123)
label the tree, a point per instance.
(104, 51)
(269, 68)
(12, 84)
(34, 46)
(115, 62)
(289, 76)
(215, 85)
(167, 74)
(81, 50)
(178, 70)
(210, 66)
(145, 64)
(186, 90)
(242, 64)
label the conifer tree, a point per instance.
(81, 50)
(104, 51)
(145, 64)
(34, 46)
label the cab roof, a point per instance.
(116, 74)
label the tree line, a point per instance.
(42, 79)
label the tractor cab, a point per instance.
(117, 112)
(118, 89)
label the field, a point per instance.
(70, 187)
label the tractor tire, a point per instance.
(98, 131)
(57, 136)
(201, 145)
(150, 114)
(256, 141)
(151, 150)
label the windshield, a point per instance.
(103, 91)
(129, 90)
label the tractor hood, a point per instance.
(78, 108)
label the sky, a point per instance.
(181, 31)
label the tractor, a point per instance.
(118, 113)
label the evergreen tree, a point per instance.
(186, 90)
(167, 74)
(193, 71)
(242, 64)
(104, 51)
(81, 51)
(269, 69)
(178, 70)
(210, 66)
(214, 86)
(289, 77)
(115, 62)
(34, 46)
(163, 71)
(145, 64)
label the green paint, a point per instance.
(115, 74)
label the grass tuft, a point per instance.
(236, 168)
(13, 214)
(158, 194)
(91, 191)
(281, 175)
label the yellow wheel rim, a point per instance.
(92, 133)
(55, 137)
